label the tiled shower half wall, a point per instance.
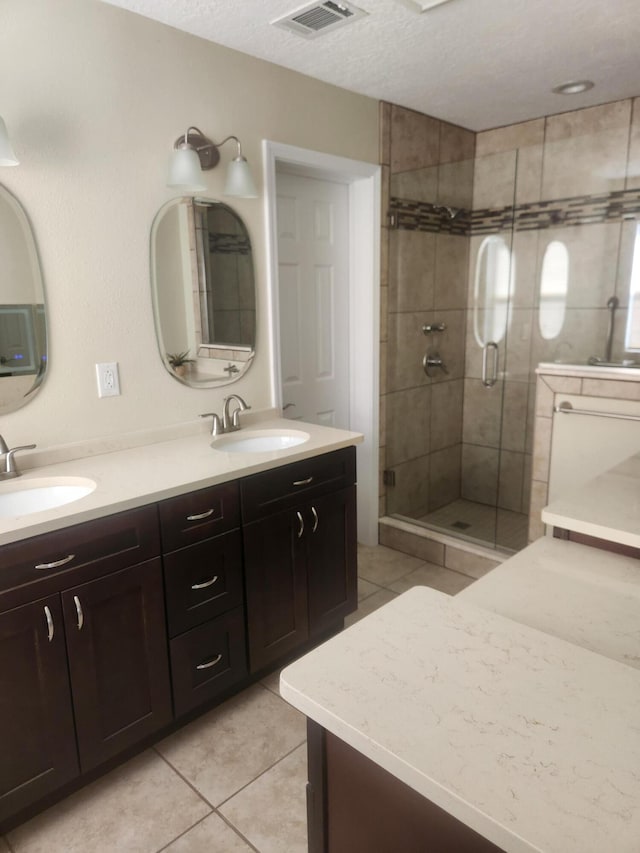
(468, 223)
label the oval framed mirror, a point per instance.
(203, 291)
(23, 318)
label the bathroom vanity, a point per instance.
(505, 718)
(164, 591)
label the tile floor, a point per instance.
(233, 780)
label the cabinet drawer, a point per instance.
(199, 515)
(203, 581)
(207, 660)
(98, 547)
(282, 488)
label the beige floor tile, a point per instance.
(436, 577)
(271, 812)
(366, 588)
(369, 605)
(4, 848)
(222, 751)
(380, 565)
(211, 835)
(137, 808)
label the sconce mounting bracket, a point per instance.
(208, 153)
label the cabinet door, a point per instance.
(118, 660)
(37, 737)
(332, 559)
(275, 573)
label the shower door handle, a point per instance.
(490, 381)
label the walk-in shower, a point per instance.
(496, 262)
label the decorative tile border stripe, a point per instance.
(566, 212)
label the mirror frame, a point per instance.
(40, 375)
(237, 356)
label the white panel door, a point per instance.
(313, 262)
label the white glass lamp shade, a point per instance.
(7, 155)
(184, 171)
(239, 181)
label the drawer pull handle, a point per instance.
(315, 519)
(300, 524)
(210, 663)
(200, 515)
(80, 622)
(205, 584)
(50, 629)
(303, 482)
(56, 563)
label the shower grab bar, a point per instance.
(566, 408)
(487, 381)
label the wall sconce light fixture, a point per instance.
(194, 152)
(7, 155)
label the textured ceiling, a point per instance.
(476, 63)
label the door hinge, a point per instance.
(392, 219)
(389, 477)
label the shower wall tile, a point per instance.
(482, 410)
(529, 174)
(415, 140)
(531, 414)
(455, 184)
(412, 256)
(473, 351)
(410, 495)
(383, 420)
(611, 388)
(633, 165)
(408, 409)
(524, 134)
(479, 474)
(445, 472)
(450, 345)
(515, 350)
(511, 481)
(406, 348)
(526, 255)
(385, 193)
(384, 367)
(456, 143)
(628, 231)
(494, 180)
(583, 335)
(514, 420)
(417, 185)
(526, 483)
(446, 414)
(593, 257)
(586, 151)
(537, 503)
(542, 444)
(384, 313)
(544, 399)
(451, 265)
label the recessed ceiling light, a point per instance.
(573, 88)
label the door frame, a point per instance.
(364, 185)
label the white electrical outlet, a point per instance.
(108, 379)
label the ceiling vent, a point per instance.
(318, 18)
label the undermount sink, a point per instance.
(28, 496)
(259, 440)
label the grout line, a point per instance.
(237, 831)
(262, 773)
(203, 818)
(184, 779)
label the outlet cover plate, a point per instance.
(108, 379)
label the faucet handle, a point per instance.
(11, 469)
(216, 424)
(3, 445)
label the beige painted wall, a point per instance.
(94, 98)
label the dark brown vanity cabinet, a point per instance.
(205, 594)
(83, 654)
(300, 553)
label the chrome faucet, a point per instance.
(8, 457)
(216, 424)
(231, 421)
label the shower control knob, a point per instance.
(430, 328)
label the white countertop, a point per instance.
(580, 594)
(530, 740)
(131, 477)
(607, 507)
